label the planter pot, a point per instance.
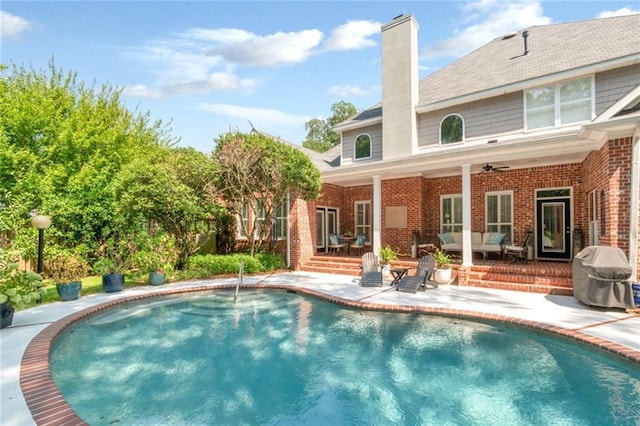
(6, 315)
(69, 291)
(112, 283)
(442, 276)
(386, 271)
(156, 278)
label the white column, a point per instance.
(377, 214)
(467, 254)
(633, 207)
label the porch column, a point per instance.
(377, 214)
(633, 206)
(467, 254)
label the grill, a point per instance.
(601, 277)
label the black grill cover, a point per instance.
(608, 263)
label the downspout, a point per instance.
(633, 214)
(467, 254)
(377, 214)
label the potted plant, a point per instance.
(17, 288)
(67, 270)
(387, 255)
(155, 257)
(113, 265)
(442, 273)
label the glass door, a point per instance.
(553, 229)
(321, 241)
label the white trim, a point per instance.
(467, 254)
(633, 207)
(618, 106)
(377, 214)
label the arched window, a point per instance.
(451, 129)
(362, 147)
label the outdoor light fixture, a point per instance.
(40, 222)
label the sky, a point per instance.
(209, 67)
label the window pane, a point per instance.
(540, 97)
(575, 90)
(363, 146)
(492, 210)
(505, 208)
(575, 112)
(457, 209)
(540, 118)
(451, 129)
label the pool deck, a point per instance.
(612, 329)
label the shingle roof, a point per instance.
(552, 49)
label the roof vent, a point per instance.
(508, 36)
(525, 34)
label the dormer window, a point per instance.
(362, 147)
(451, 129)
(559, 104)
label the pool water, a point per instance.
(278, 358)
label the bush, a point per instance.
(207, 265)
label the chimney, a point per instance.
(399, 87)
(525, 34)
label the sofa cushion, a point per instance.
(446, 238)
(476, 238)
(492, 238)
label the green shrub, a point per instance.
(207, 265)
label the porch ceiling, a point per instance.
(446, 161)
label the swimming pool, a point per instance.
(282, 358)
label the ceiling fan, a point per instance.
(488, 167)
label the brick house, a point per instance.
(537, 131)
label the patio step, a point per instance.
(536, 277)
(344, 265)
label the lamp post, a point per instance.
(40, 222)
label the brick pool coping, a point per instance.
(48, 406)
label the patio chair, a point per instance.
(521, 252)
(371, 274)
(358, 244)
(422, 278)
(335, 244)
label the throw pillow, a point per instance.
(360, 240)
(495, 238)
(333, 240)
(446, 238)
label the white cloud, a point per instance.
(487, 20)
(353, 35)
(214, 82)
(620, 12)
(12, 25)
(271, 50)
(345, 90)
(256, 115)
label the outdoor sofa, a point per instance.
(485, 243)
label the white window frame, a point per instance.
(281, 217)
(450, 226)
(362, 228)
(440, 130)
(499, 225)
(242, 217)
(355, 157)
(557, 105)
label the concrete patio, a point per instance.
(612, 329)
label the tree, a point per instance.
(174, 190)
(320, 134)
(256, 172)
(61, 145)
